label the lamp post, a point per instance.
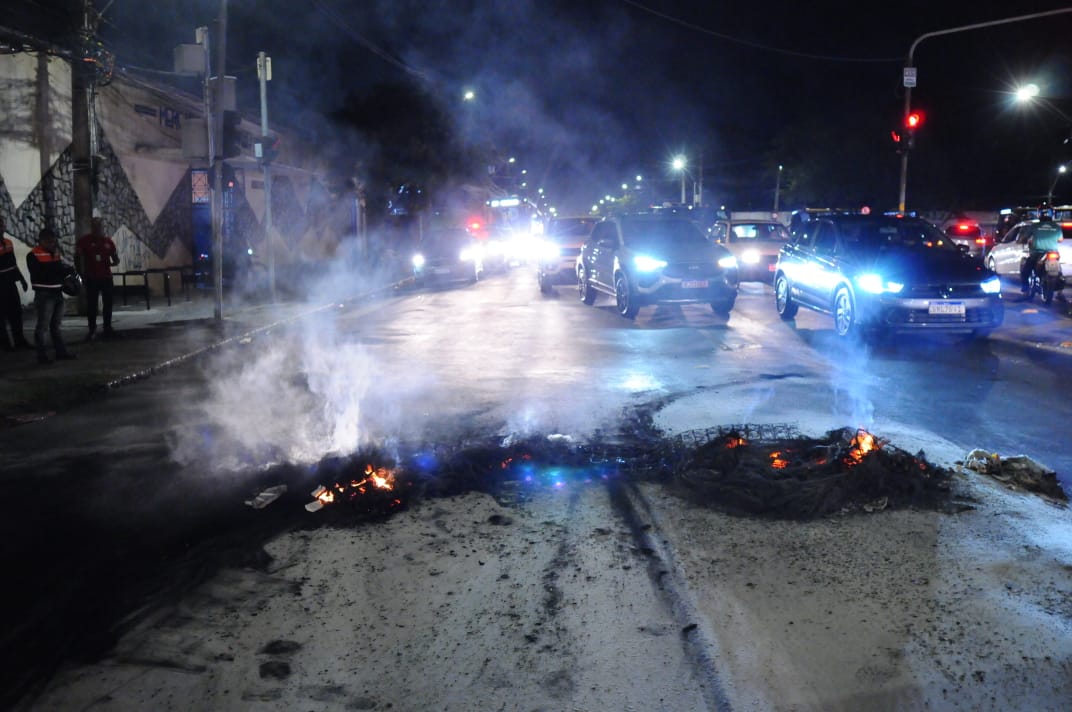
(777, 187)
(1061, 170)
(910, 74)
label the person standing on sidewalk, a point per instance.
(47, 272)
(10, 302)
(95, 255)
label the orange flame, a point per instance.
(777, 462)
(736, 442)
(861, 444)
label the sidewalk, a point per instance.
(149, 340)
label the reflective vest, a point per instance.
(50, 272)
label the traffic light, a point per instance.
(230, 145)
(913, 120)
(266, 148)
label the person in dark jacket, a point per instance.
(10, 302)
(47, 272)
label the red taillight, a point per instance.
(1053, 256)
(965, 228)
(980, 241)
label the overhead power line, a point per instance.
(366, 43)
(757, 45)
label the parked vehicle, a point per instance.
(879, 273)
(1045, 278)
(559, 249)
(755, 244)
(645, 259)
(447, 255)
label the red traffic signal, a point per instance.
(913, 120)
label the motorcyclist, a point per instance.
(1043, 237)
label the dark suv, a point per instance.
(884, 273)
(645, 259)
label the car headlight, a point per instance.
(750, 257)
(648, 264)
(875, 284)
(550, 251)
(418, 260)
(469, 254)
(992, 285)
(728, 262)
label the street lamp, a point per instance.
(910, 73)
(679, 165)
(1061, 170)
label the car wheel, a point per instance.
(723, 306)
(625, 297)
(584, 287)
(545, 284)
(787, 308)
(844, 313)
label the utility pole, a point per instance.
(264, 74)
(83, 74)
(215, 118)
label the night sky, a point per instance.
(589, 94)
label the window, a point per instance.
(199, 190)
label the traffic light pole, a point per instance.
(909, 65)
(264, 74)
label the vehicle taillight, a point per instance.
(965, 228)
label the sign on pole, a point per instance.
(909, 76)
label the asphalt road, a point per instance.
(137, 498)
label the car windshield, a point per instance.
(871, 236)
(446, 240)
(766, 232)
(570, 229)
(661, 233)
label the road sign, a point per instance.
(909, 76)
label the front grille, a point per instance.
(942, 291)
(691, 270)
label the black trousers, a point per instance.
(10, 313)
(102, 289)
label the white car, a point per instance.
(1004, 257)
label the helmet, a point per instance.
(1046, 214)
(72, 284)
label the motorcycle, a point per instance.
(1046, 278)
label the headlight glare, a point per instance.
(992, 285)
(418, 260)
(728, 262)
(648, 264)
(750, 257)
(875, 284)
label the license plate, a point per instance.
(694, 283)
(956, 308)
(1053, 267)
(441, 270)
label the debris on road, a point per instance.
(775, 472)
(266, 497)
(1018, 472)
